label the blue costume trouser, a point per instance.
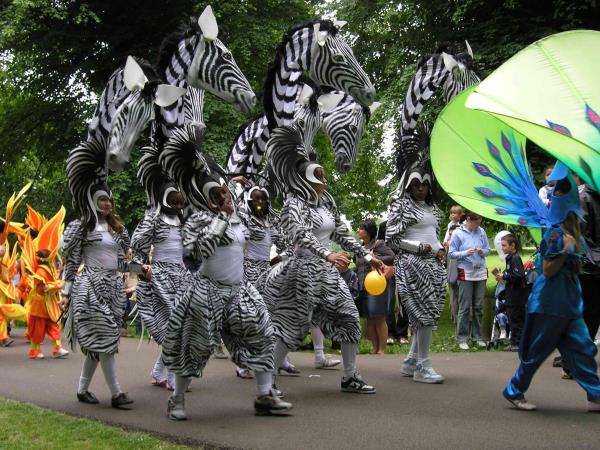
(543, 334)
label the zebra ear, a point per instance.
(133, 75)
(449, 61)
(208, 24)
(320, 36)
(305, 95)
(373, 107)
(328, 102)
(167, 94)
(469, 49)
(340, 23)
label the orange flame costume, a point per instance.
(41, 260)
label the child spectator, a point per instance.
(544, 191)
(517, 290)
(456, 217)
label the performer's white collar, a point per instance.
(170, 220)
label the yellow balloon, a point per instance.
(375, 283)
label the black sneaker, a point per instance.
(270, 405)
(119, 401)
(87, 397)
(356, 385)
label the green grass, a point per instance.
(25, 426)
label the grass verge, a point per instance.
(26, 426)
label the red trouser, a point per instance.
(38, 327)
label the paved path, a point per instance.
(466, 412)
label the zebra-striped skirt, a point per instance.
(421, 284)
(208, 311)
(307, 290)
(155, 298)
(97, 308)
(256, 272)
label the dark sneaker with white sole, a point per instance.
(271, 405)
(357, 385)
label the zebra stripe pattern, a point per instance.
(430, 75)
(307, 289)
(421, 279)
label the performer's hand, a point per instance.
(377, 264)
(227, 205)
(471, 251)
(426, 248)
(569, 243)
(147, 268)
(242, 180)
(336, 258)
(63, 304)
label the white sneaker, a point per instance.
(60, 353)
(594, 406)
(408, 367)
(326, 363)
(481, 344)
(220, 352)
(522, 404)
(424, 373)
(463, 346)
(502, 333)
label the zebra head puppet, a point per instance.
(137, 110)
(310, 107)
(413, 162)
(290, 169)
(344, 126)
(452, 71)
(194, 57)
(194, 173)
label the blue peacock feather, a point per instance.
(513, 184)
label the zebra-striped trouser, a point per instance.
(155, 298)
(421, 281)
(308, 290)
(256, 272)
(97, 306)
(208, 311)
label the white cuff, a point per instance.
(368, 257)
(66, 290)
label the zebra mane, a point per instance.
(85, 169)
(279, 59)
(285, 155)
(170, 44)
(240, 131)
(151, 175)
(451, 49)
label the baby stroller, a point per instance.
(500, 329)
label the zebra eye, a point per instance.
(301, 123)
(353, 128)
(338, 57)
(226, 56)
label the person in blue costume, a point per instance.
(554, 311)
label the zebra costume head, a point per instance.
(344, 126)
(413, 161)
(195, 56)
(310, 107)
(194, 173)
(334, 64)
(451, 70)
(137, 110)
(290, 169)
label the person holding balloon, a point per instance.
(374, 306)
(412, 232)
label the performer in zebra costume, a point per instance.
(167, 278)
(96, 298)
(218, 302)
(308, 289)
(412, 232)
